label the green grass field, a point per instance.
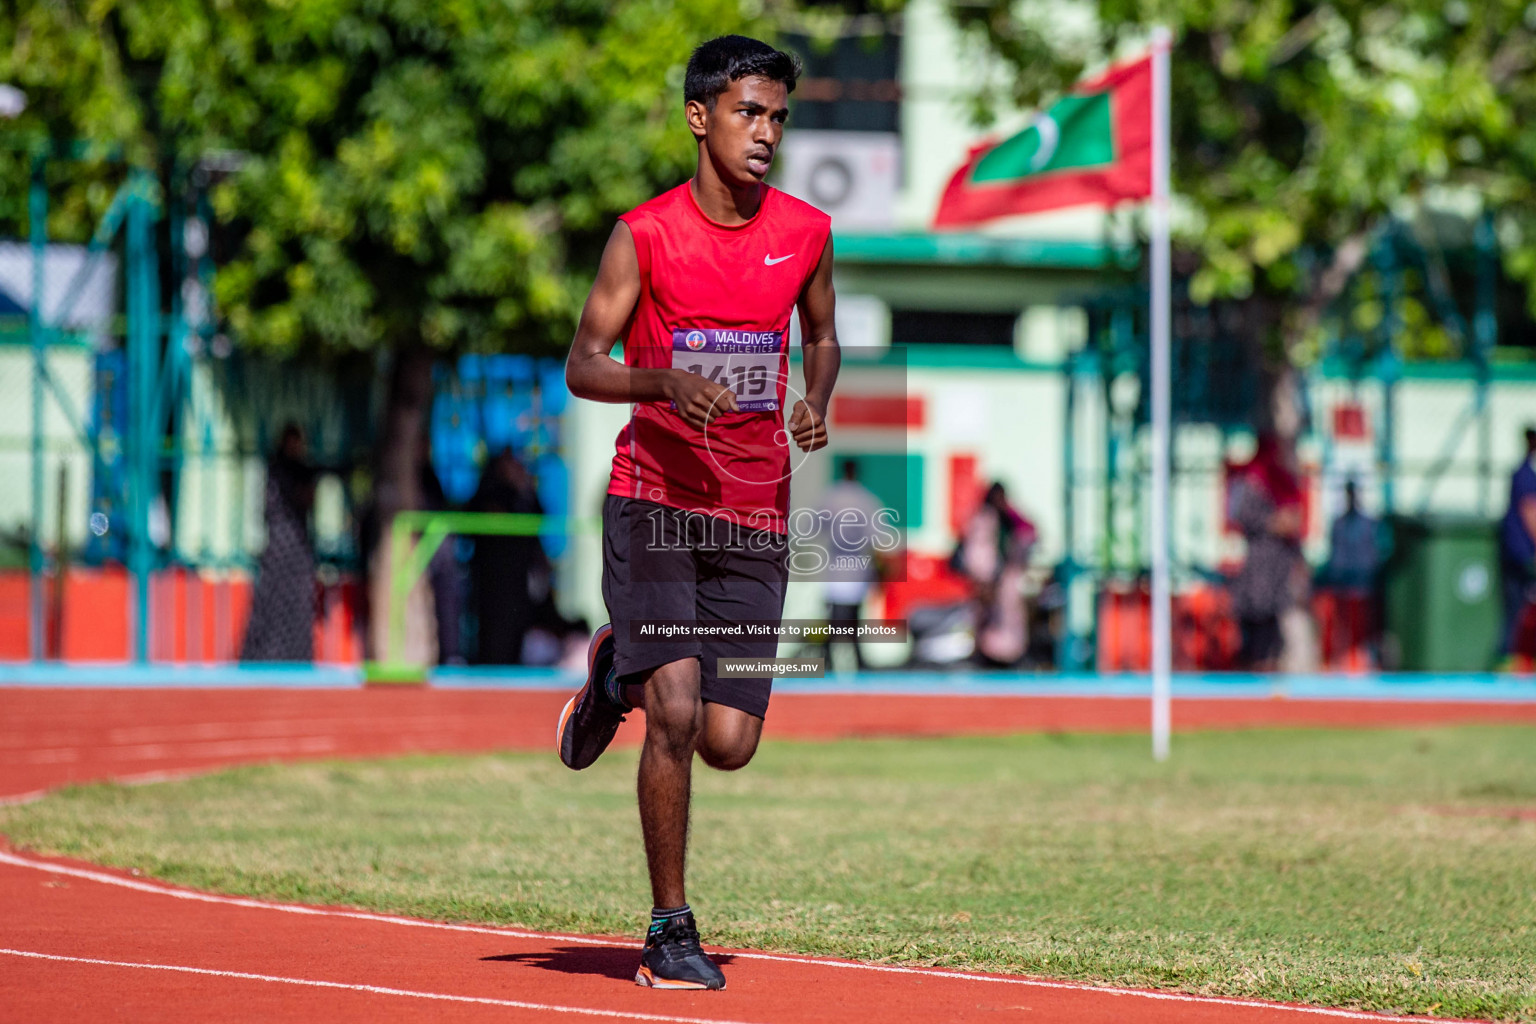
(1362, 869)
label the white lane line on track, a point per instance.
(925, 972)
(1178, 997)
(294, 908)
(515, 1004)
(220, 749)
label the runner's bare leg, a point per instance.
(729, 737)
(674, 718)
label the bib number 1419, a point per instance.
(746, 381)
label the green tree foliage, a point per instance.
(411, 172)
(1300, 127)
(402, 177)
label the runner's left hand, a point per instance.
(808, 426)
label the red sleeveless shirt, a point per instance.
(716, 300)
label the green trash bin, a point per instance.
(1442, 594)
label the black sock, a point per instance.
(661, 917)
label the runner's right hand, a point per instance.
(699, 399)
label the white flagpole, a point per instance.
(1162, 638)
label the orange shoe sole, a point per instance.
(602, 633)
(645, 979)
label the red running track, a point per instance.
(84, 943)
(81, 943)
(52, 736)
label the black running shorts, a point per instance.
(661, 564)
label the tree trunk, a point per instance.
(403, 448)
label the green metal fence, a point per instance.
(133, 434)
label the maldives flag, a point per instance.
(1092, 146)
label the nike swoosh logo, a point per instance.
(769, 261)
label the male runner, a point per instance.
(700, 283)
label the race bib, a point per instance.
(749, 363)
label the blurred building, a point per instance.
(1018, 353)
(1013, 353)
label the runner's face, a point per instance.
(744, 130)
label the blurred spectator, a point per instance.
(503, 568)
(445, 573)
(1350, 575)
(993, 553)
(1517, 546)
(282, 622)
(848, 518)
(1353, 555)
(1267, 507)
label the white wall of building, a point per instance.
(70, 368)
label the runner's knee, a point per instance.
(674, 714)
(727, 757)
(673, 725)
(729, 738)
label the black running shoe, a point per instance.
(672, 958)
(590, 719)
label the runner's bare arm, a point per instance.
(591, 373)
(818, 331)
